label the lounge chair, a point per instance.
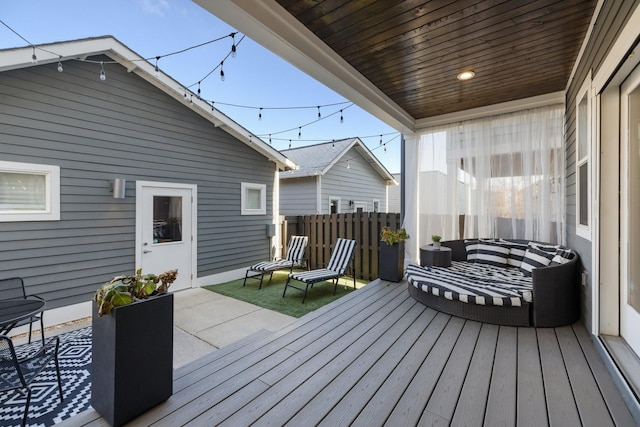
(337, 267)
(294, 258)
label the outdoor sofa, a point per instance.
(506, 282)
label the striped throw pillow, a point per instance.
(516, 253)
(492, 253)
(535, 258)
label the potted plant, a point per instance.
(391, 261)
(132, 344)
(436, 241)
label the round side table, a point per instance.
(432, 257)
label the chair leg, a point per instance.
(26, 408)
(285, 286)
(30, 328)
(58, 374)
(42, 328)
(335, 285)
(306, 288)
(246, 275)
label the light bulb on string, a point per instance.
(319, 115)
(103, 76)
(341, 117)
(233, 45)
(289, 143)
(299, 131)
(157, 70)
(221, 71)
(213, 107)
(34, 58)
(333, 144)
(190, 99)
(270, 139)
(260, 114)
(380, 139)
(60, 69)
(199, 90)
(385, 148)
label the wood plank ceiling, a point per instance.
(413, 50)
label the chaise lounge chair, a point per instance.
(294, 258)
(337, 267)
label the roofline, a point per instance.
(362, 149)
(269, 24)
(17, 58)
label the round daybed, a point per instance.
(506, 282)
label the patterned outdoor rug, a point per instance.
(45, 408)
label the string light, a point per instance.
(221, 70)
(190, 99)
(60, 69)
(198, 90)
(270, 140)
(380, 139)
(233, 45)
(319, 115)
(103, 76)
(260, 114)
(157, 70)
(341, 117)
(289, 143)
(34, 58)
(299, 131)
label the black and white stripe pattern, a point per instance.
(562, 256)
(294, 258)
(535, 258)
(516, 252)
(473, 283)
(337, 266)
(492, 253)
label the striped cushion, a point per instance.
(338, 264)
(473, 283)
(295, 252)
(471, 246)
(545, 248)
(562, 256)
(267, 266)
(516, 252)
(492, 253)
(535, 258)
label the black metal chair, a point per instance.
(18, 374)
(13, 288)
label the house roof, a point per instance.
(399, 60)
(17, 58)
(318, 159)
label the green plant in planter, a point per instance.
(391, 237)
(123, 290)
(436, 238)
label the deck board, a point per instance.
(377, 357)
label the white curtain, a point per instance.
(499, 176)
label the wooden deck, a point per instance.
(377, 357)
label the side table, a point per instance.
(432, 257)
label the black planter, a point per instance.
(391, 262)
(132, 359)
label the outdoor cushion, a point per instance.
(473, 283)
(535, 258)
(492, 253)
(516, 252)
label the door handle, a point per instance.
(146, 251)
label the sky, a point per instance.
(254, 79)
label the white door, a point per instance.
(164, 230)
(630, 212)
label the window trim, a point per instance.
(585, 91)
(338, 201)
(52, 184)
(244, 186)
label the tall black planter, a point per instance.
(132, 359)
(391, 262)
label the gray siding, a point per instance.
(122, 127)
(393, 194)
(612, 18)
(359, 183)
(298, 196)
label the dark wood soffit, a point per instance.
(412, 50)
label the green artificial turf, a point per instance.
(270, 296)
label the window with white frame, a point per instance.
(583, 160)
(254, 199)
(29, 192)
(334, 205)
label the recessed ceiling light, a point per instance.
(466, 75)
